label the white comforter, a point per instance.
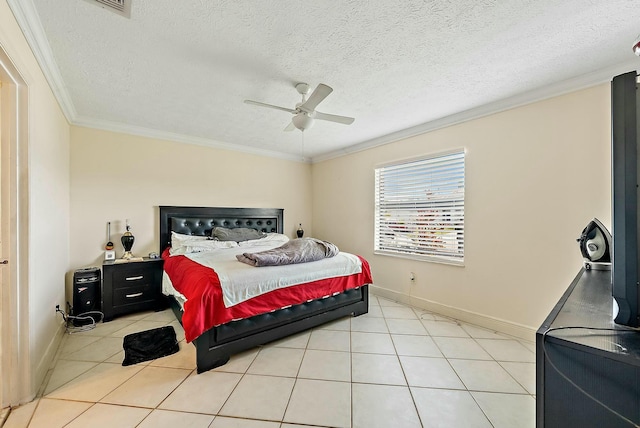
(241, 282)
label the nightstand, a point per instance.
(131, 287)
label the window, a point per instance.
(419, 210)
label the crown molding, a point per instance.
(27, 17)
(180, 138)
(570, 85)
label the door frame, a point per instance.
(15, 361)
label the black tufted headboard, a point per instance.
(200, 220)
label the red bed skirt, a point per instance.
(205, 308)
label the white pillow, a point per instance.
(179, 239)
(199, 246)
(270, 238)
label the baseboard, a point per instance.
(495, 324)
(46, 363)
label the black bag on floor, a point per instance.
(149, 345)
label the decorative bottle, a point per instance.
(300, 232)
(127, 242)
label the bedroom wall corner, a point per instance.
(528, 196)
(117, 176)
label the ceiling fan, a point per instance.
(305, 111)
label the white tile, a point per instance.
(95, 383)
(326, 365)
(223, 422)
(137, 327)
(430, 373)
(108, 328)
(202, 393)
(74, 342)
(445, 408)
(531, 346)
(167, 316)
(320, 402)
(431, 316)
(21, 415)
(382, 301)
(372, 312)
(185, 358)
(416, 346)
(377, 368)
(373, 299)
(401, 312)
(98, 351)
(369, 324)
(56, 413)
(461, 347)
(444, 328)
(65, 371)
(329, 340)
(109, 416)
(277, 362)
(239, 363)
(482, 333)
(134, 316)
(299, 341)
(485, 376)
(343, 324)
(383, 406)
(171, 419)
(259, 397)
(507, 410)
(293, 426)
(119, 358)
(148, 387)
(508, 350)
(523, 373)
(406, 326)
(372, 343)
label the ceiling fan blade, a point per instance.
(334, 118)
(257, 103)
(290, 127)
(320, 93)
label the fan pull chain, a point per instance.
(302, 150)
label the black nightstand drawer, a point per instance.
(132, 287)
(133, 295)
(129, 276)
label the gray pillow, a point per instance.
(237, 234)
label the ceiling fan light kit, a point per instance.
(302, 121)
(305, 111)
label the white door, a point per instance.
(15, 376)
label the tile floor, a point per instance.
(397, 366)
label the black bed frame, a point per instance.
(215, 346)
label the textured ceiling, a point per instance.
(181, 69)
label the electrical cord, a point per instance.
(591, 397)
(81, 322)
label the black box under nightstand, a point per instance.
(131, 287)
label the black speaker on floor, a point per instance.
(86, 291)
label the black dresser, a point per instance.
(132, 287)
(604, 364)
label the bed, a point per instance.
(216, 344)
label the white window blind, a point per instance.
(419, 210)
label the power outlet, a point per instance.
(412, 277)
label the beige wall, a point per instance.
(535, 176)
(115, 177)
(47, 175)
